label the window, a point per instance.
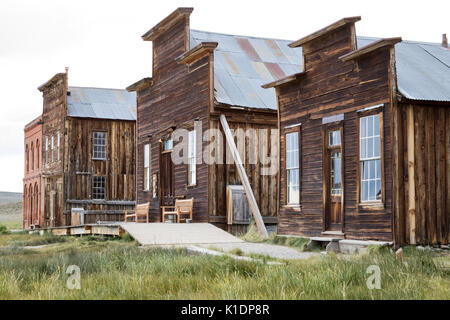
(293, 168)
(32, 156)
(37, 154)
(46, 149)
(27, 158)
(370, 158)
(99, 145)
(98, 188)
(52, 146)
(334, 145)
(146, 167)
(192, 161)
(168, 144)
(58, 137)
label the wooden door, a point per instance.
(333, 177)
(167, 174)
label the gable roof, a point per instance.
(242, 64)
(99, 103)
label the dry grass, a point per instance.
(121, 270)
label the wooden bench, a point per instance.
(182, 207)
(141, 210)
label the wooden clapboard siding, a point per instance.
(178, 96)
(333, 87)
(181, 93)
(118, 168)
(431, 180)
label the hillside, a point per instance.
(10, 197)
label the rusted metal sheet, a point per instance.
(243, 64)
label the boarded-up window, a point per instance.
(98, 187)
(99, 152)
(146, 167)
(370, 157)
(293, 168)
(192, 164)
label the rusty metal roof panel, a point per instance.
(99, 103)
(242, 64)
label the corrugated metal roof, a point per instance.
(423, 69)
(115, 104)
(243, 64)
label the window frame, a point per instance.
(295, 129)
(94, 187)
(147, 170)
(46, 149)
(192, 182)
(94, 145)
(52, 146)
(58, 145)
(370, 204)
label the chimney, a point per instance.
(444, 40)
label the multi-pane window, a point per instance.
(37, 154)
(334, 144)
(27, 155)
(168, 144)
(32, 156)
(292, 168)
(370, 158)
(98, 187)
(192, 164)
(146, 167)
(99, 151)
(52, 146)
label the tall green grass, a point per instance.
(119, 270)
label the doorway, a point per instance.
(333, 182)
(167, 195)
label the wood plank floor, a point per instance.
(178, 233)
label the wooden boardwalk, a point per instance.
(163, 234)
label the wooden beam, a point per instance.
(282, 81)
(197, 52)
(411, 178)
(140, 85)
(167, 23)
(370, 48)
(324, 31)
(243, 176)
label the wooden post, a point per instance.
(243, 176)
(411, 178)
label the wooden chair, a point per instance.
(141, 210)
(181, 208)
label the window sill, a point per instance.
(99, 159)
(295, 207)
(190, 186)
(371, 206)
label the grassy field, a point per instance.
(119, 269)
(11, 209)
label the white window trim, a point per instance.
(147, 167)
(288, 169)
(192, 160)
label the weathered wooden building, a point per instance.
(88, 152)
(32, 174)
(198, 76)
(365, 138)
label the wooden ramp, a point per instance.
(163, 234)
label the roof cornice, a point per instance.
(166, 23)
(140, 85)
(197, 52)
(285, 80)
(323, 31)
(386, 42)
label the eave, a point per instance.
(323, 31)
(197, 52)
(140, 85)
(283, 81)
(370, 48)
(167, 23)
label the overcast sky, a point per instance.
(100, 42)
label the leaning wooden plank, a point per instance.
(243, 176)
